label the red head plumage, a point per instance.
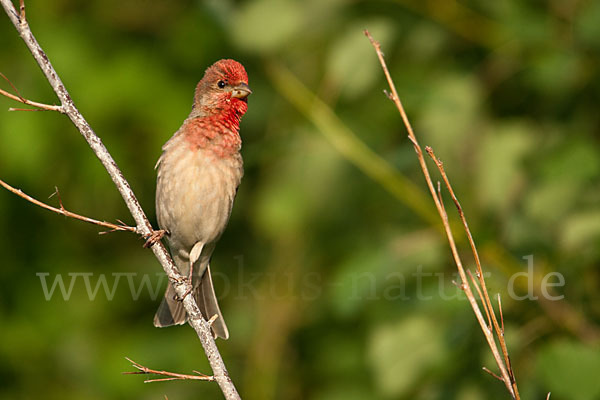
(219, 103)
(223, 89)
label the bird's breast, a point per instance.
(195, 193)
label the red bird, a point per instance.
(198, 175)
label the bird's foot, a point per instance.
(187, 292)
(189, 280)
(154, 237)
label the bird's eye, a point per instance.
(221, 84)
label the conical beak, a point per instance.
(241, 91)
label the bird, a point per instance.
(198, 174)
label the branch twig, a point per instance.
(65, 212)
(21, 99)
(170, 376)
(503, 362)
(143, 226)
(492, 374)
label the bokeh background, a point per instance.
(334, 277)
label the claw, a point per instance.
(187, 292)
(154, 237)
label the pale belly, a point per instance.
(194, 196)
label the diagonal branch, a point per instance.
(143, 226)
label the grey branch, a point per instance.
(143, 226)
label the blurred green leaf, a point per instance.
(343, 392)
(580, 231)
(22, 147)
(569, 370)
(425, 41)
(266, 25)
(555, 70)
(586, 23)
(282, 208)
(402, 352)
(562, 177)
(500, 159)
(450, 116)
(351, 62)
(523, 21)
(358, 281)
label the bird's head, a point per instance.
(224, 88)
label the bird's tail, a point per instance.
(171, 311)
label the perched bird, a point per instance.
(198, 175)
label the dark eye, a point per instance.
(221, 84)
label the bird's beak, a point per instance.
(241, 91)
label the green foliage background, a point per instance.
(333, 273)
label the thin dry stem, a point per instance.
(13, 87)
(486, 301)
(501, 315)
(170, 376)
(492, 374)
(439, 193)
(21, 99)
(65, 212)
(460, 286)
(481, 297)
(506, 376)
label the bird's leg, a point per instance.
(189, 279)
(194, 256)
